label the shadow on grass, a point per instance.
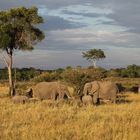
(122, 99)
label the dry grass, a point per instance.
(63, 121)
(3, 90)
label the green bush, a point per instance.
(78, 77)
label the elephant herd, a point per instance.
(93, 92)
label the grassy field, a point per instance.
(64, 121)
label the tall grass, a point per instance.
(48, 120)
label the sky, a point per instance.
(75, 26)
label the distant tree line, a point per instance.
(70, 74)
(23, 74)
(132, 71)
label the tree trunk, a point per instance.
(11, 86)
(94, 64)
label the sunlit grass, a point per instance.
(3, 90)
(48, 120)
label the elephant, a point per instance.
(50, 90)
(105, 90)
(19, 99)
(87, 100)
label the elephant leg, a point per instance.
(96, 98)
(114, 101)
(61, 96)
(54, 96)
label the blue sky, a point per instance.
(72, 27)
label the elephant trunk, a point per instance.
(85, 91)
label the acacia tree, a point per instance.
(94, 55)
(18, 30)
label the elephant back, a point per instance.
(50, 90)
(108, 90)
(43, 90)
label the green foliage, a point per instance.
(75, 76)
(69, 68)
(78, 77)
(48, 77)
(132, 71)
(18, 29)
(94, 54)
(23, 74)
(113, 73)
(3, 74)
(123, 73)
(26, 74)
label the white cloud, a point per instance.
(112, 25)
(90, 38)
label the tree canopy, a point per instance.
(18, 30)
(94, 55)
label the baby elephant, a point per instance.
(87, 100)
(19, 99)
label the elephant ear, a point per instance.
(95, 86)
(87, 88)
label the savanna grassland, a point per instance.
(68, 121)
